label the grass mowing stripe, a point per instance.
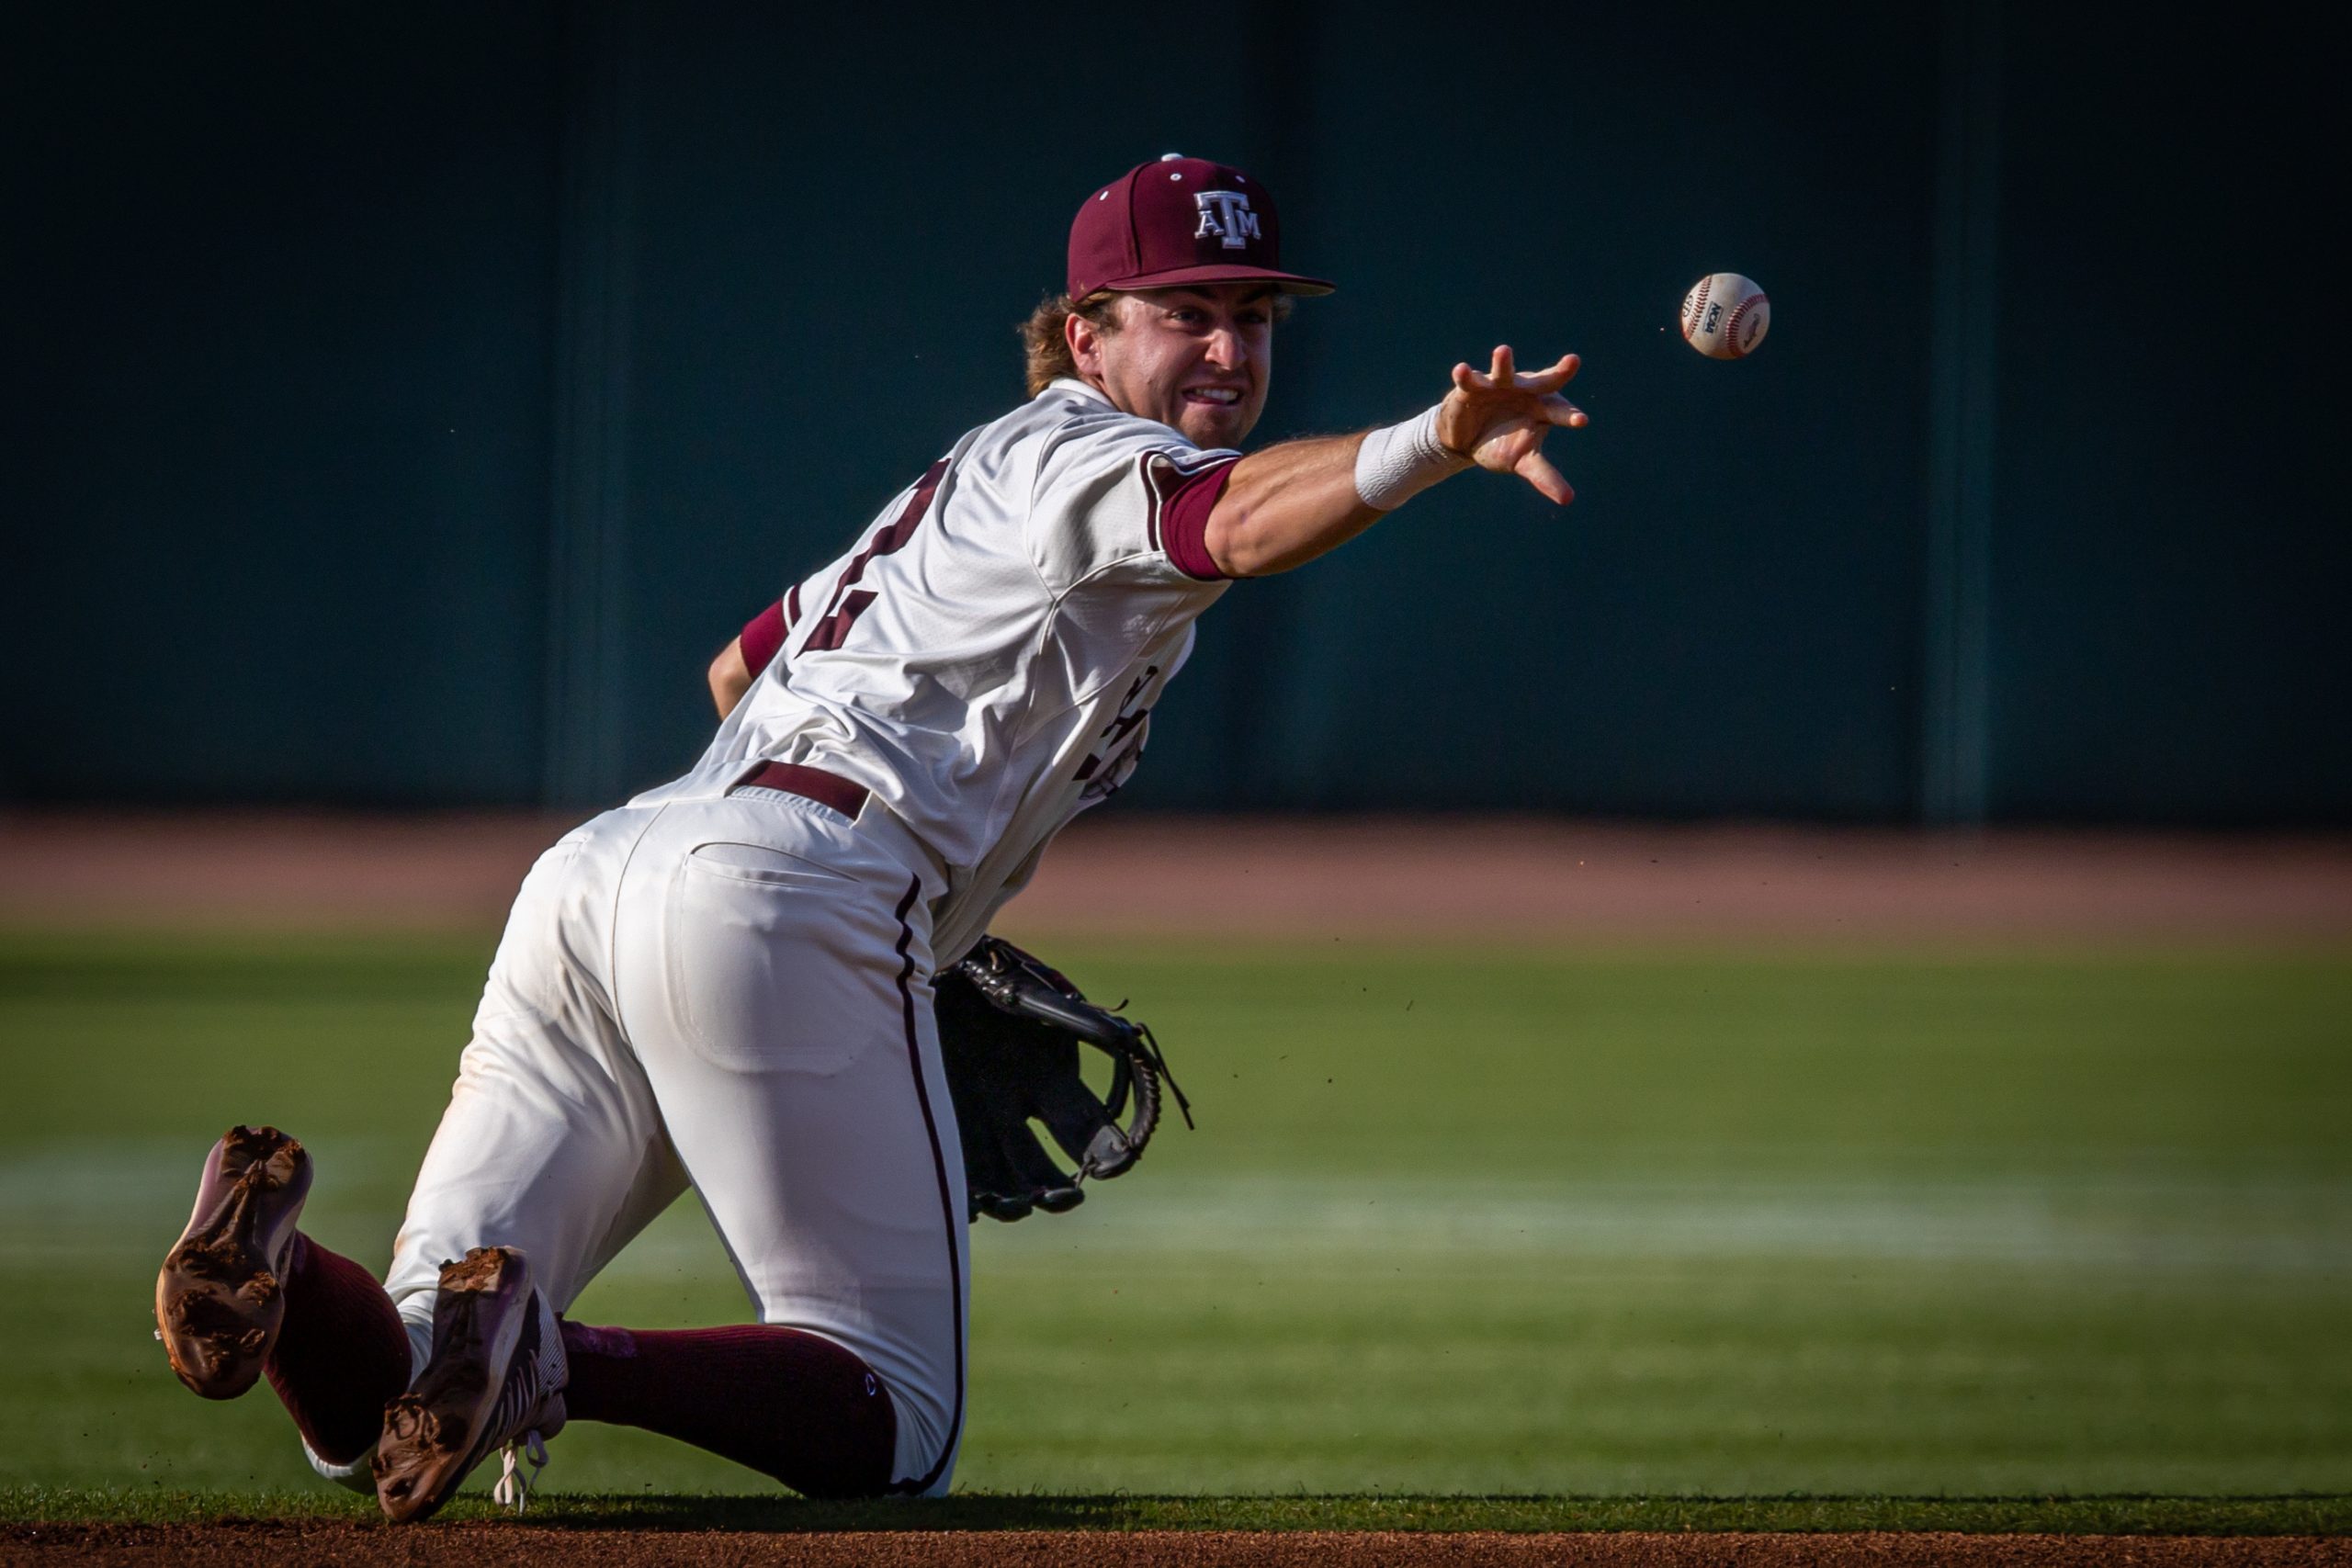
(2312, 1514)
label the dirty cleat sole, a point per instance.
(492, 1378)
(220, 1298)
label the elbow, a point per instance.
(730, 677)
(1235, 547)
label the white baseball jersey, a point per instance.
(733, 989)
(986, 657)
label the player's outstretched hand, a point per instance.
(1498, 418)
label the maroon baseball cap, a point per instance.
(1176, 221)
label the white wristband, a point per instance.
(1397, 462)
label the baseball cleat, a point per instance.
(494, 1381)
(221, 1297)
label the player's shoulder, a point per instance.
(1071, 419)
(1070, 452)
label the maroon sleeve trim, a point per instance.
(1184, 519)
(762, 636)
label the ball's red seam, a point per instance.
(1695, 308)
(1731, 328)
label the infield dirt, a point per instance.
(1146, 877)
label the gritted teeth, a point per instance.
(1222, 396)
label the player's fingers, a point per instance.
(1552, 377)
(1537, 471)
(1465, 378)
(1561, 412)
(1503, 368)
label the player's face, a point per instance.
(1195, 359)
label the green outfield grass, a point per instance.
(1671, 1224)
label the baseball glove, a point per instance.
(1009, 1031)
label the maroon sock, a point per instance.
(341, 1354)
(788, 1404)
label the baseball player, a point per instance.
(727, 983)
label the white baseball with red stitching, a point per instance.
(1725, 316)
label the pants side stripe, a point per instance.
(950, 1211)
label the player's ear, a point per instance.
(1088, 327)
(1085, 340)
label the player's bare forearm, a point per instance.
(730, 677)
(1286, 505)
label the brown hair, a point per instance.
(1045, 338)
(1047, 343)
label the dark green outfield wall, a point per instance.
(404, 402)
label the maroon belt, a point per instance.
(844, 795)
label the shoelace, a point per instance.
(513, 1488)
(526, 1387)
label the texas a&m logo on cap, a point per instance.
(1226, 217)
(1180, 221)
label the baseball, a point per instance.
(1725, 316)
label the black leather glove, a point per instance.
(1010, 1026)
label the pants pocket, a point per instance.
(758, 951)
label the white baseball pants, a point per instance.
(736, 994)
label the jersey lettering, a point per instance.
(842, 609)
(1121, 744)
(1005, 680)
